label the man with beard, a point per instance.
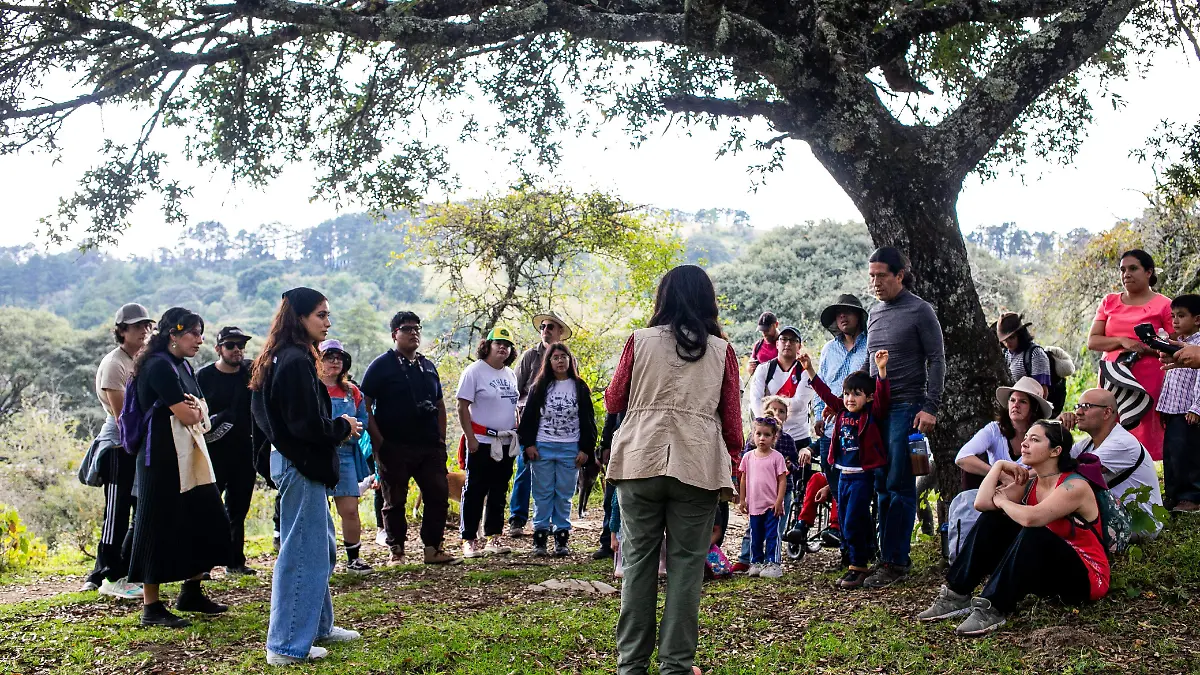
(231, 442)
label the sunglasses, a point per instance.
(548, 326)
(331, 356)
(233, 345)
(769, 421)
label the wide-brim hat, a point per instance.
(1031, 388)
(1009, 323)
(844, 301)
(549, 315)
(1133, 401)
(336, 345)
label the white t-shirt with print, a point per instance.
(560, 415)
(493, 396)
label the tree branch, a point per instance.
(1022, 76)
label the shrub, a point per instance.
(18, 549)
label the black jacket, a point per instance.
(532, 417)
(294, 410)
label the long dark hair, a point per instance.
(1007, 429)
(545, 376)
(897, 263)
(1059, 437)
(174, 321)
(687, 302)
(1144, 260)
(286, 329)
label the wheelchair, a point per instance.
(813, 543)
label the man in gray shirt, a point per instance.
(907, 327)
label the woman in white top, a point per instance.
(1023, 405)
(558, 432)
(487, 411)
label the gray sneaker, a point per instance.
(983, 620)
(885, 575)
(947, 606)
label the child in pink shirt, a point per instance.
(764, 482)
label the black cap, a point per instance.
(766, 320)
(231, 334)
(793, 330)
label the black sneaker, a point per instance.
(241, 571)
(831, 537)
(198, 602)
(157, 614)
(358, 566)
(798, 535)
(603, 553)
(886, 575)
(852, 579)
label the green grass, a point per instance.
(480, 618)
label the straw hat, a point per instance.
(1031, 388)
(549, 315)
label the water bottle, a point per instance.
(918, 454)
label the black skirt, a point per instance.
(176, 536)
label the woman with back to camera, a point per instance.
(292, 406)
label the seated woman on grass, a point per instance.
(1038, 534)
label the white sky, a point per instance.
(672, 170)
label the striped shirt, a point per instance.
(1039, 363)
(1181, 388)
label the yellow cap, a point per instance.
(501, 333)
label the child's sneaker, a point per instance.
(754, 570)
(771, 571)
(853, 579)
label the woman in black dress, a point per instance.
(177, 536)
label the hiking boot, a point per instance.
(754, 570)
(192, 599)
(540, 538)
(157, 614)
(947, 605)
(561, 550)
(852, 579)
(472, 548)
(740, 567)
(602, 553)
(396, 556)
(359, 566)
(121, 589)
(314, 653)
(798, 535)
(771, 571)
(886, 575)
(515, 530)
(983, 620)
(495, 547)
(436, 556)
(338, 634)
(241, 571)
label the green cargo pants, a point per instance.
(650, 507)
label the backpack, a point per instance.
(133, 423)
(960, 519)
(1061, 367)
(1117, 525)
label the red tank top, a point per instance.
(1085, 542)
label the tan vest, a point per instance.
(671, 427)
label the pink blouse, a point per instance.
(1120, 318)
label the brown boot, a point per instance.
(397, 557)
(436, 556)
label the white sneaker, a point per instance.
(381, 537)
(121, 589)
(314, 653)
(88, 587)
(755, 570)
(494, 547)
(472, 549)
(338, 634)
(771, 571)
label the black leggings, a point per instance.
(487, 481)
(1022, 561)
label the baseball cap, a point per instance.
(132, 313)
(766, 320)
(793, 330)
(231, 334)
(501, 333)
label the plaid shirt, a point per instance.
(1181, 388)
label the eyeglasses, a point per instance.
(331, 356)
(233, 345)
(789, 338)
(1080, 407)
(411, 328)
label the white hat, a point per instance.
(1031, 388)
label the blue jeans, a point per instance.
(518, 502)
(301, 607)
(764, 537)
(783, 526)
(854, 517)
(897, 488)
(554, 476)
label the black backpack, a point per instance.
(1058, 384)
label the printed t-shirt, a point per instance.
(762, 480)
(560, 415)
(493, 396)
(847, 458)
(112, 374)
